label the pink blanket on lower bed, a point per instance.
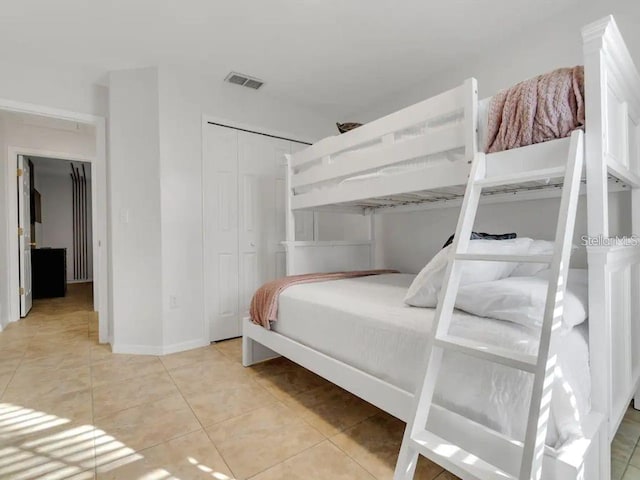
(264, 304)
(543, 108)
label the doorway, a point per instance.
(52, 129)
(55, 226)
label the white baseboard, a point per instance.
(136, 349)
(181, 347)
(158, 350)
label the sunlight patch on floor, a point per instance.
(36, 445)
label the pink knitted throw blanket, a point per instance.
(264, 304)
(543, 108)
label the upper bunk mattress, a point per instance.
(364, 323)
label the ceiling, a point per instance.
(333, 56)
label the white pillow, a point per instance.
(537, 247)
(522, 299)
(424, 289)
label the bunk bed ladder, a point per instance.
(418, 440)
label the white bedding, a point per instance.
(364, 323)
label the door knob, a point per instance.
(252, 244)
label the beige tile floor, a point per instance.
(70, 409)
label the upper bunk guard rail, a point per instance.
(462, 99)
(445, 123)
(388, 154)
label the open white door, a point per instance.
(24, 232)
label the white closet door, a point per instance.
(244, 192)
(220, 206)
(262, 212)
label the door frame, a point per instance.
(24, 182)
(225, 122)
(99, 209)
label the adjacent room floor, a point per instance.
(70, 409)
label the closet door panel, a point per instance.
(244, 188)
(220, 181)
(262, 169)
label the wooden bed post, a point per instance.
(372, 239)
(596, 128)
(612, 101)
(598, 226)
(635, 280)
(290, 222)
(471, 118)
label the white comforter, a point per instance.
(363, 322)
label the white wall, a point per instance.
(4, 291)
(155, 171)
(411, 239)
(15, 133)
(56, 229)
(555, 43)
(135, 215)
(184, 97)
(68, 87)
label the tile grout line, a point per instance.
(93, 412)
(276, 400)
(325, 439)
(195, 416)
(15, 371)
(290, 457)
(626, 467)
(355, 459)
(253, 381)
(135, 451)
(160, 442)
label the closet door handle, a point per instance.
(252, 244)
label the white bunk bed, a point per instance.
(420, 157)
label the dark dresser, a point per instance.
(49, 272)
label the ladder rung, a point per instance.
(503, 356)
(496, 257)
(522, 177)
(455, 460)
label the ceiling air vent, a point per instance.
(244, 80)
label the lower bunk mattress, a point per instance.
(364, 323)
